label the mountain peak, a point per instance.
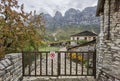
(74, 17)
(72, 10)
(58, 14)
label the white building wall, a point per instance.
(81, 38)
(75, 38)
(72, 38)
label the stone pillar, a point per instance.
(109, 50)
(100, 44)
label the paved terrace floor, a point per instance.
(64, 79)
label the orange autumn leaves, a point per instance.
(18, 29)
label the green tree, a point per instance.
(18, 30)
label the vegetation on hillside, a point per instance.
(18, 30)
(64, 33)
(46, 48)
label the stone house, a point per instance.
(85, 35)
(108, 47)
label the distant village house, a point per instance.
(85, 35)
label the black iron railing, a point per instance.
(59, 63)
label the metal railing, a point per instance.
(59, 63)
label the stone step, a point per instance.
(67, 79)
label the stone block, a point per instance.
(8, 61)
(2, 66)
(1, 79)
(15, 60)
(13, 55)
(3, 62)
(9, 68)
(115, 48)
(8, 78)
(2, 72)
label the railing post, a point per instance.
(23, 64)
(40, 63)
(59, 57)
(94, 63)
(82, 63)
(46, 63)
(88, 57)
(35, 63)
(70, 63)
(65, 62)
(52, 67)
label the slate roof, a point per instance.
(85, 33)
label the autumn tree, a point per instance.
(18, 30)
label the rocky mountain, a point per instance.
(72, 17)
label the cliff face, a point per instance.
(72, 17)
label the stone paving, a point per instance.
(64, 79)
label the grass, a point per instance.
(49, 49)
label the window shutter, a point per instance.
(117, 5)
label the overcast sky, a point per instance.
(51, 6)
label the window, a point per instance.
(77, 38)
(94, 38)
(85, 38)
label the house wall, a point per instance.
(75, 38)
(71, 38)
(81, 38)
(108, 51)
(88, 38)
(11, 67)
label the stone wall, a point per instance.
(11, 67)
(85, 48)
(108, 51)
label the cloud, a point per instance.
(51, 6)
